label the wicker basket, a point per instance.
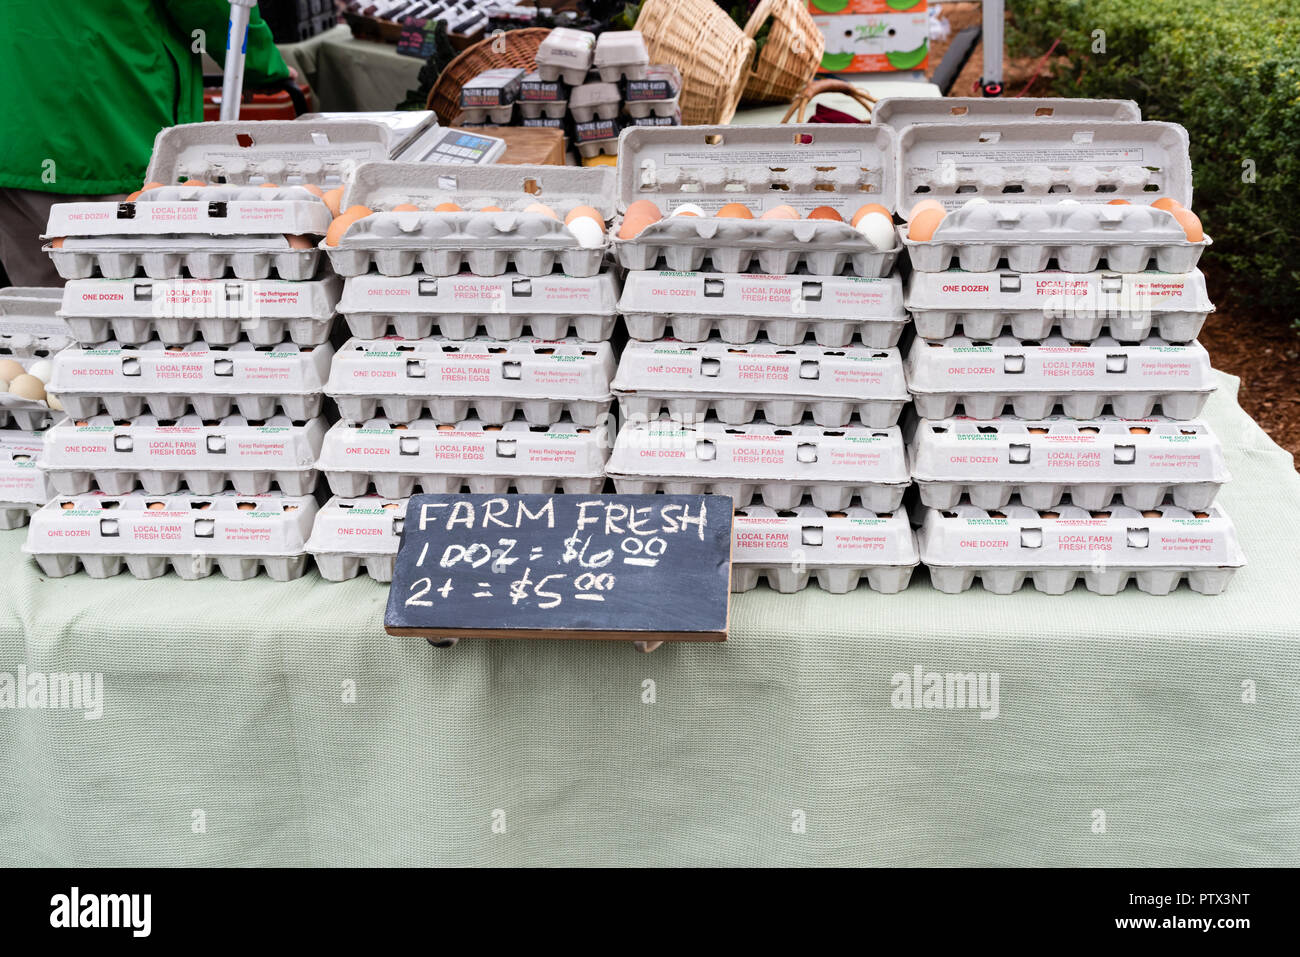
(712, 53)
(515, 48)
(791, 55)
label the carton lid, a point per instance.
(202, 298)
(855, 536)
(467, 294)
(901, 111)
(797, 295)
(369, 525)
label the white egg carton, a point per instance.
(31, 415)
(836, 549)
(351, 535)
(486, 243)
(458, 307)
(1106, 548)
(784, 383)
(901, 111)
(621, 54)
(594, 101)
(1144, 462)
(219, 312)
(779, 466)
(642, 109)
(803, 166)
(440, 459)
(551, 109)
(211, 381)
(489, 378)
(692, 306)
(193, 534)
(565, 54)
(23, 488)
(1034, 376)
(164, 455)
(1082, 306)
(30, 326)
(195, 256)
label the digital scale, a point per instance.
(416, 137)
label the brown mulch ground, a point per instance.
(1262, 351)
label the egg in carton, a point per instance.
(777, 197)
(594, 101)
(1143, 462)
(235, 534)
(621, 54)
(565, 54)
(503, 307)
(1032, 194)
(1034, 376)
(834, 468)
(30, 326)
(1081, 306)
(445, 218)
(164, 455)
(832, 386)
(901, 111)
(488, 378)
(351, 535)
(23, 487)
(1054, 548)
(738, 307)
(836, 549)
(219, 312)
(397, 459)
(24, 401)
(211, 381)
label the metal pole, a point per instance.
(232, 84)
(991, 81)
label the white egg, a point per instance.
(878, 230)
(688, 209)
(1068, 202)
(53, 402)
(977, 201)
(588, 232)
(42, 369)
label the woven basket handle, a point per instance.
(817, 88)
(754, 24)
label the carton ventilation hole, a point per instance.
(1031, 538)
(532, 187)
(812, 535)
(244, 140)
(204, 527)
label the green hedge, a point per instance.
(1227, 70)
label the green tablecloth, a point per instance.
(229, 704)
(350, 75)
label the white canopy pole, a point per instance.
(232, 85)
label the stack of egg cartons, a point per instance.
(194, 398)
(480, 359)
(1056, 373)
(783, 384)
(31, 332)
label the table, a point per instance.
(302, 734)
(351, 75)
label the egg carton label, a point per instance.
(764, 536)
(21, 480)
(901, 111)
(212, 210)
(661, 82)
(352, 534)
(537, 90)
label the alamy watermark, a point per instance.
(53, 691)
(946, 691)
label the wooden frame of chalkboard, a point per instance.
(639, 568)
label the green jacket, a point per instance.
(89, 83)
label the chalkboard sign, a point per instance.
(643, 568)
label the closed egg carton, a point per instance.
(762, 167)
(902, 111)
(837, 549)
(594, 101)
(692, 306)
(552, 110)
(1106, 548)
(488, 115)
(237, 535)
(194, 256)
(488, 378)
(780, 467)
(642, 109)
(30, 326)
(212, 381)
(832, 386)
(662, 81)
(1081, 306)
(621, 54)
(536, 90)
(1034, 376)
(503, 307)
(565, 55)
(398, 459)
(491, 89)
(163, 456)
(218, 312)
(1141, 463)
(23, 487)
(352, 535)
(474, 237)
(607, 146)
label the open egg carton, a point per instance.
(901, 111)
(1140, 463)
(30, 326)
(351, 535)
(1034, 376)
(738, 307)
(23, 488)
(1055, 548)
(566, 54)
(208, 380)
(809, 168)
(397, 459)
(489, 378)
(445, 218)
(783, 383)
(24, 402)
(164, 455)
(195, 535)
(218, 312)
(834, 468)
(1032, 194)
(836, 549)
(1081, 306)
(504, 307)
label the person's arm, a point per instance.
(263, 63)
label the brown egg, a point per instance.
(267, 186)
(639, 215)
(56, 243)
(341, 223)
(924, 223)
(28, 387)
(826, 212)
(314, 190)
(10, 370)
(735, 211)
(781, 212)
(148, 186)
(590, 212)
(1191, 224)
(447, 208)
(870, 208)
(922, 206)
(1167, 204)
(156, 506)
(540, 209)
(491, 209)
(406, 208)
(334, 200)
(300, 242)
(1118, 202)
(250, 506)
(194, 182)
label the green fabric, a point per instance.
(89, 83)
(227, 698)
(351, 75)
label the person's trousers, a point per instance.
(23, 215)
